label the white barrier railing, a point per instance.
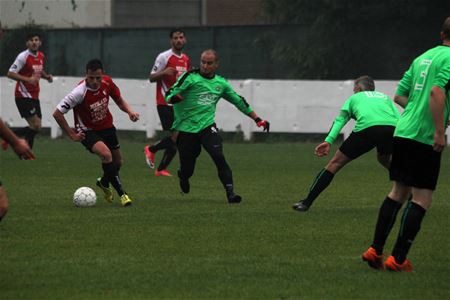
(294, 106)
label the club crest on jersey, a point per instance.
(218, 88)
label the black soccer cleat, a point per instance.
(300, 206)
(184, 184)
(233, 198)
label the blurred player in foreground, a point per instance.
(22, 149)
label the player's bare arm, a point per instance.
(46, 76)
(15, 76)
(437, 104)
(125, 107)
(401, 100)
(19, 146)
(169, 71)
(62, 122)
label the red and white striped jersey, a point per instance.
(90, 107)
(28, 64)
(164, 60)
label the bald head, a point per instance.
(211, 52)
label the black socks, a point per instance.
(323, 179)
(386, 219)
(111, 175)
(411, 220)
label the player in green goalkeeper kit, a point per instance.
(195, 96)
(376, 117)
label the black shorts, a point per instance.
(365, 140)
(165, 113)
(415, 164)
(107, 136)
(29, 107)
(189, 144)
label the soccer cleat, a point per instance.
(5, 145)
(149, 157)
(125, 200)
(163, 173)
(373, 259)
(233, 198)
(107, 191)
(184, 184)
(300, 206)
(392, 265)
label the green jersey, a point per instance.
(200, 96)
(432, 68)
(367, 108)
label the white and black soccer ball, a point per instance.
(84, 197)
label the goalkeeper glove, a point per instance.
(263, 123)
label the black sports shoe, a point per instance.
(300, 206)
(184, 184)
(233, 198)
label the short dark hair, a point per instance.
(446, 28)
(32, 35)
(365, 82)
(94, 65)
(176, 30)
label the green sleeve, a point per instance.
(339, 122)
(404, 85)
(231, 96)
(182, 84)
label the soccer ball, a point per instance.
(84, 197)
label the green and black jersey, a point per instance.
(432, 68)
(200, 96)
(367, 108)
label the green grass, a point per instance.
(196, 246)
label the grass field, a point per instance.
(196, 246)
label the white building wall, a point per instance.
(295, 106)
(56, 13)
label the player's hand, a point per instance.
(134, 116)
(77, 136)
(33, 80)
(263, 123)
(23, 150)
(439, 142)
(50, 78)
(322, 149)
(170, 71)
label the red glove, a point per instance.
(263, 123)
